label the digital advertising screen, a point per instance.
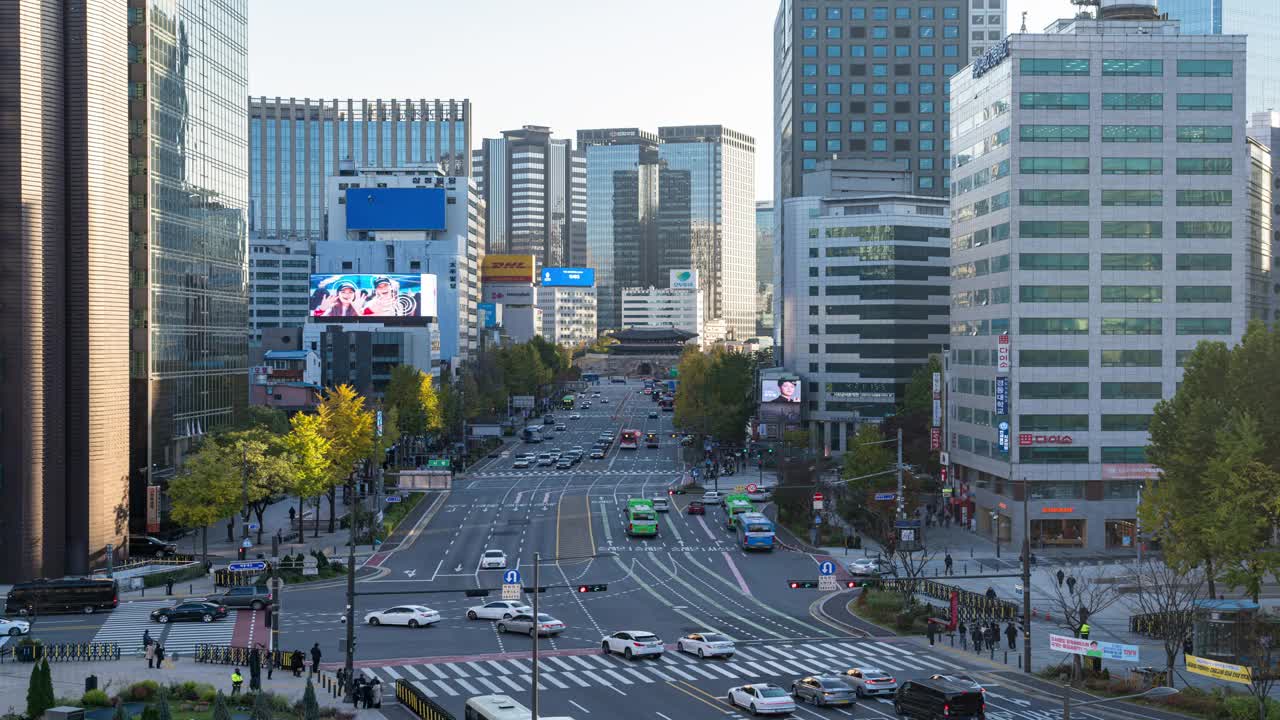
(568, 277)
(395, 209)
(785, 389)
(354, 297)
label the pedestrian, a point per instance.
(989, 637)
(255, 670)
(272, 658)
(1011, 633)
(296, 663)
(991, 593)
(168, 586)
(236, 681)
(1061, 576)
(375, 692)
(150, 652)
(1071, 585)
(964, 635)
(977, 638)
(146, 638)
(357, 691)
(266, 617)
(1188, 647)
(315, 659)
(931, 631)
(159, 653)
(947, 561)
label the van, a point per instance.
(660, 503)
(928, 699)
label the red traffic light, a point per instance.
(851, 584)
(795, 585)
(599, 587)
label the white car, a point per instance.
(711, 497)
(546, 459)
(14, 627)
(661, 503)
(869, 566)
(410, 615)
(521, 463)
(498, 610)
(524, 625)
(633, 643)
(867, 682)
(493, 560)
(761, 698)
(575, 416)
(706, 645)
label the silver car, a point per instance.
(524, 625)
(822, 690)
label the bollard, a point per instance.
(1006, 657)
(1019, 661)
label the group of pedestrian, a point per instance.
(987, 636)
(936, 516)
(152, 650)
(368, 692)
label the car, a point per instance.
(586, 405)
(493, 560)
(408, 615)
(696, 507)
(524, 625)
(595, 393)
(604, 401)
(930, 698)
(706, 645)
(597, 454)
(498, 610)
(521, 463)
(712, 497)
(547, 434)
(575, 416)
(189, 610)
(960, 678)
(653, 414)
(14, 628)
(254, 597)
(869, 681)
(822, 690)
(869, 566)
(146, 546)
(564, 463)
(761, 698)
(632, 644)
(661, 503)
(561, 427)
(549, 419)
(545, 459)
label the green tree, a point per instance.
(732, 395)
(1244, 505)
(868, 454)
(918, 397)
(39, 691)
(206, 490)
(692, 406)
(265, 465)
(310, 708)
(220, 710)
(308, 449)
(258, 417)
(349, 427)
(261, 707)
(411, 393)
(162, 706)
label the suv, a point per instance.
(147, 546)
(254, 597)
(931, 698)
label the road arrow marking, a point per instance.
(410, 573)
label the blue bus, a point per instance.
(755, 531)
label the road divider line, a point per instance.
(699, 622)
(734, 568)
(712, 603)
(708, 572)
(671, 524)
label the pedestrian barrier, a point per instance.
(70, 652)
(1153, 624)
(419, 704)
(229, 578)
(972, 605)
(233, 655)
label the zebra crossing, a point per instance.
(778, 663)
(565, 473)
(127, 623)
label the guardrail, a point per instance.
(1152, 624)
(419, 704)
(61, 652)
(230, 578)
(236, 655)
(972, 605)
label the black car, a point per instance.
(147, 546)
(937, 698)
(190, 611)
(254, 597)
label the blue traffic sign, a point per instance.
(826, 567)
(245, 566)
(511, 577)
(393, 498)
(886, 496)
(254, 526)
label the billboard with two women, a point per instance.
(351, 297)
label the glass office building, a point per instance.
(764, 268)
(188, 197)
(1259, 19)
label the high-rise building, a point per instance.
(64, 348)
(1078, 289)
(622, 209)
(987, 22)
(764, 268)
(706, 218)
(1265, 128)
(1259, 19)
(535, 189)
(864, 297)
(279, 269)
(188, 195)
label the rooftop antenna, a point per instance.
(1024, 22)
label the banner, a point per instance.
(1004, 354)
(1094, 648)
(507, 269)
(1002, 395)
(153, 508)
(355, 296)
(1219, 670)
(1002, 436)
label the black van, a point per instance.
(928, 699)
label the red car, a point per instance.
(696, 508)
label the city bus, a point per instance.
(567, 402)
(651, 440)
(78, 595)
(499, 707)
(629, 439)
(667, 403)
(532, 434)
(734, 505)
(755, 531)
(642, 518)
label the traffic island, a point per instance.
(890, 611)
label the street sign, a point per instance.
(739, 488)
(438, 463)
(511, 592)
(258, 565)
(752, 488)
(511, 577)
(393, 498)
(817, 519)
(826, 567)
(944, 458)
(886, 496)
(817, 501)
(254, 526)
(827, 583)
(522, 401)
(246, 544)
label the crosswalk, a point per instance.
(127, 623)
(754, 663)
(566, 473)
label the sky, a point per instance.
(567, 64)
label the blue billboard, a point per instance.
(568, 277)
(488, 313)
(395, 209)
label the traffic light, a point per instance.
(477, 593)
(539, 589)
(851, 584)
(601, 587)
(803, 584)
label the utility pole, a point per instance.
(902, 501)
(1026, 582)
(537, 567)
(349, 663)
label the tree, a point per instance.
(220, 710)
(39, 690)
(868, 455)
(119, 714)
(413, 396)
(163, 706)
(732, 397)
(918, 398)
(258, 417)
(265, 466)
(1262, 651)
(206, 490)
(1075, 602)
(1170, 596)
(692, 410)
(261, 707)
(349, 428)
(308, 450)
(1245, 512)
(310, 708)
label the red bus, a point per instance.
(629, 440)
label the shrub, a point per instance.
(95, 698)
(191, 572)
(143, 691)
(322, 562)
(151, 712)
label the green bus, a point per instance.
(734, 505)
(567, 402)
(642, 518)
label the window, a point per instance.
(1053, 261)
(857, 126)
(1053, 66)
(1131, 294)
(834, 69)
(833, 33)
(1053, 455)
(1131, 261)
(1204, 293)
(1204, 68)
(1181, 356)
(1053, 326)
(1131, 358)
(1204, 133)
(1053, 166)
(1054, 101)
(1132, 133)
(1131, 326)
(1132, 101)
(1053, 423)
(1124, 454)
(1208, 102)
(1150, 229)
(1054, 228)
(1132, 166)
(1132, 68)
(1204, 198)
(1204, 326)
(1053, 133)
(833, 145)
(1132, 198)
(809, 70)
(810, 108)
(857, 88)
(1054, 198)
(1053, 358)
(902, 51)
(1204, 166)
(1211, 229)
(809, 13)
(1054, 390)
(879, 145)
(809, 145)
(1131, 391)
(1053, 293)
(1203, 261)
(1127, 423)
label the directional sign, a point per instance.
(826, 567)
(254, 526)
(247, 566)
(827, 583)
(752, 488)
(393, 498)
(511, 577)
(511, 592)
(246, 544)
(886, 496)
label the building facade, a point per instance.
(568, 315)
(864, 294)
(1078, 289)
(189, 195)
(1259, 19)
(362, 356)
(764, 268)
(988, 20)
(652, 307)
(64, 349)
(279, 270)
(1264, 127)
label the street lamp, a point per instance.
(1161, 691)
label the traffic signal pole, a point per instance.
(533, 690)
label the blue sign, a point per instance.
(886, 496)
(826, 567)
(995, 55)
(817, 519)
(511, 577)
(488, 313)
(1002, 395)
(1002, 436)
(247, 566)
(393, 498)
(395, 209)
(254, 526)
(568, 277)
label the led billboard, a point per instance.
(785, 389)
(568, 277)
(395, 209)
(507, 269)
(351, 297)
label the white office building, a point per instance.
(279, 270)
(568, 314)
(653, 307)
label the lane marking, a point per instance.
(702, 521)
(582, 708)
(741, 582)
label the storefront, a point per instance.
(1058, 532)
(1121, 533)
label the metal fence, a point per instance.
(61, 652)
(972, 605)
(1152, 624)
(235, 655)
(419, 704)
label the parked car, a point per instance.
(190, 611)
(253, 597)
(146, 546)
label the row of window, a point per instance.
(1080, 326)
(1124, 133)
(881, 13)
(1123, 68)
(1123, 293)
(1080, 358)
(875, 126)
(1124, 198)
(1123, 261)
(1122, 166)
(1207, 102)
(1118, 229)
